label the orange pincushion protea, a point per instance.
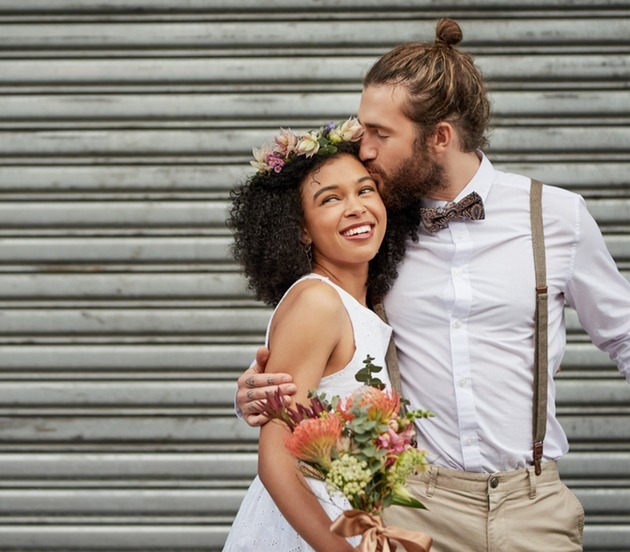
(381, 406)
(313, 439)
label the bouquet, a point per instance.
(363, 446)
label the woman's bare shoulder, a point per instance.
(313, 297)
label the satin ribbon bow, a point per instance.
(469, 208)
(375, 536)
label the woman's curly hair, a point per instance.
(267, 221)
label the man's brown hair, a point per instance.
(442, 83)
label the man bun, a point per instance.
(448, 33)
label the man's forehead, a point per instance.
(374, 123)
(379, 106)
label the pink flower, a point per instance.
(286, 142)
(392, 442)
(275, 162)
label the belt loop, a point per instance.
(531, 472)
(433, 475)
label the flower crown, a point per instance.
(288, 146)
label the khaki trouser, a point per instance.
(501, 512)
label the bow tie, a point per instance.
(469, 208)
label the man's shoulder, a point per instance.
(522, 183)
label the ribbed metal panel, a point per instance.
(123, 321)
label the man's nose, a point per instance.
(366, 151)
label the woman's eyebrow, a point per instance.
(335, 186)
(324, 189)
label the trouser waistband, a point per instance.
(437, 476)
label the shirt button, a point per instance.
(469, 441)
(494, 482)
(457, 324)
(463, 383)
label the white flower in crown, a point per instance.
(309, 143)
(261, 156)
(349, 131)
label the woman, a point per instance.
(310, 233)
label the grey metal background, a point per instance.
(123, 321)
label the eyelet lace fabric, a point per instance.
(260, 526)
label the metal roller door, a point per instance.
(123, 321)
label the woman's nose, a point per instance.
(355, 208)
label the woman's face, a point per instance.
(344, 215)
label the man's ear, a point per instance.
(442, 137)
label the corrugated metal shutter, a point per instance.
(123, 322)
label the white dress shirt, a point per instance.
(462, 310)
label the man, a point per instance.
(463, 307)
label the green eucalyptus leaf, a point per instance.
(409, 502)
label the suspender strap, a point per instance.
(391, 358)
(540, 339)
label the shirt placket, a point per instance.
(460, 351)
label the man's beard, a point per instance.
(416, 177)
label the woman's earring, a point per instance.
(309, 253)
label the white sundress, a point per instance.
(259, 525)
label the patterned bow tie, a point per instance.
(469, 208)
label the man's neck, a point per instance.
(459, 169)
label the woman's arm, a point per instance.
(305, 333)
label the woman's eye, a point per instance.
(329, 199)
(367, 189)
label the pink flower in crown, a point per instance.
(275, 162)
(286, 142)
(314, 439)
(309, 143)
